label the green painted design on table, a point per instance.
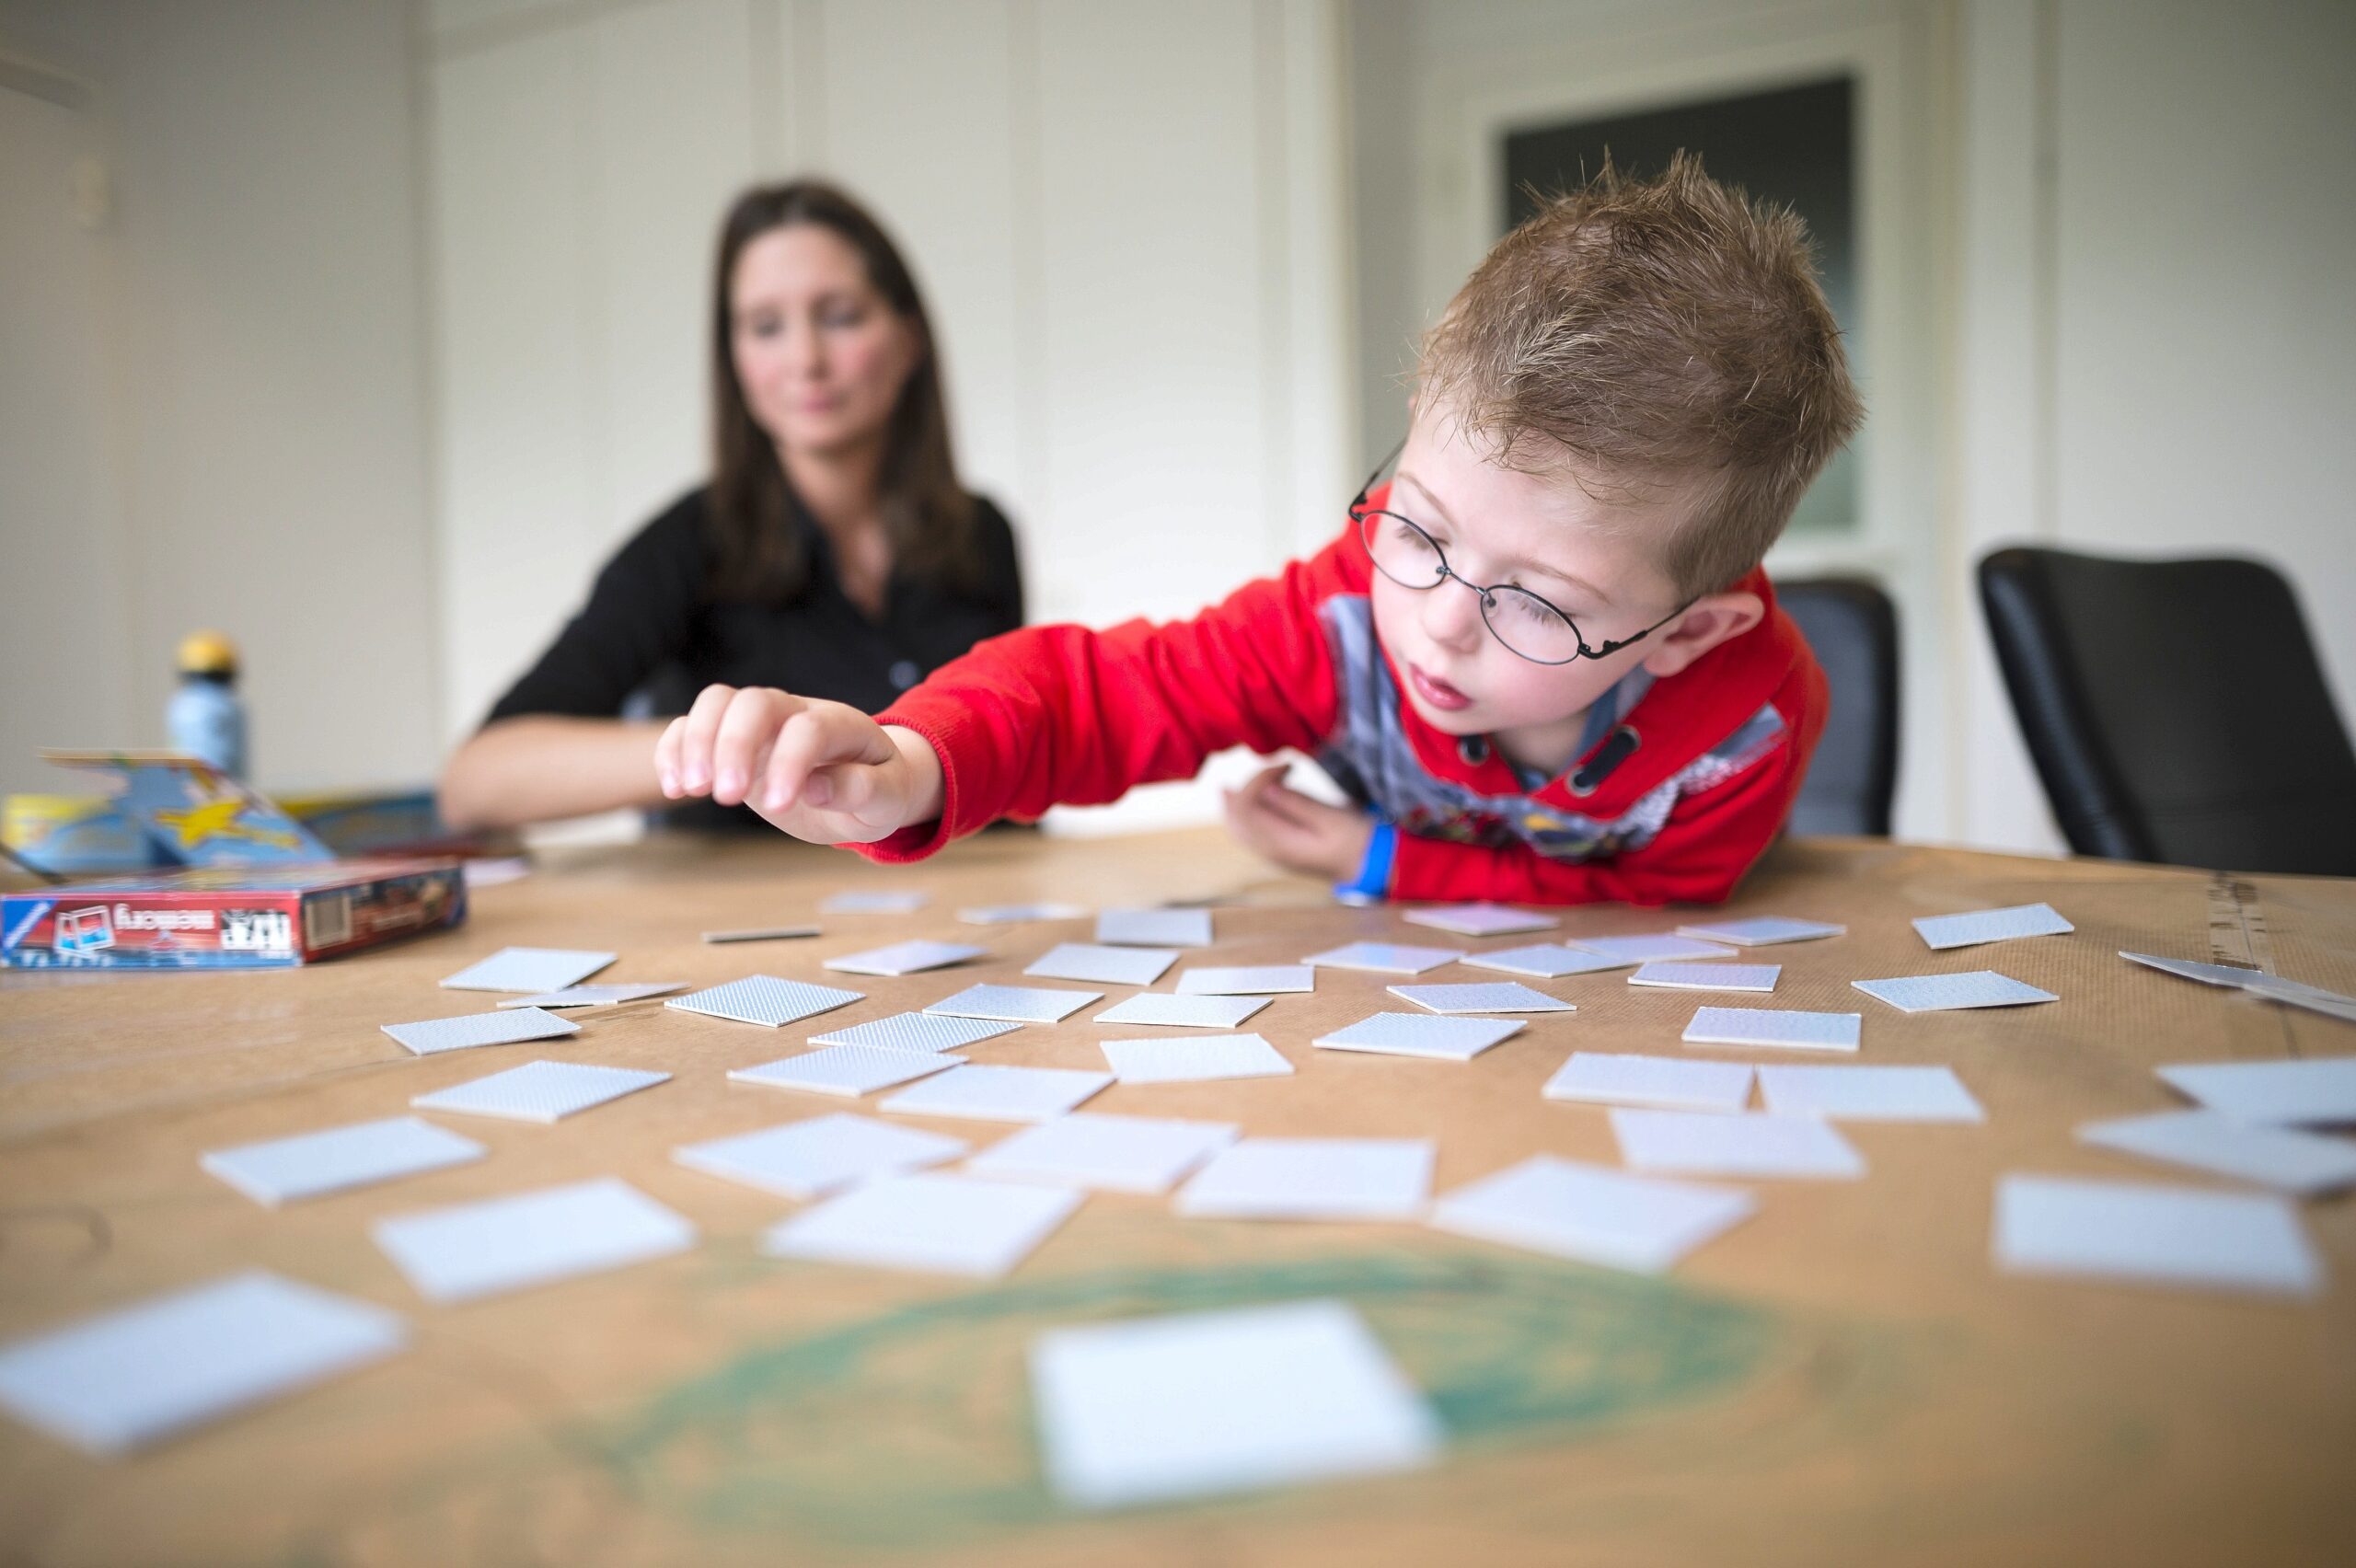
(912, 1428)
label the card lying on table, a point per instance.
(539, 1092)
(1482, 997)
(2304, 1163)
(1195, 1061)
(1383, 958)
(1480, 919)
(2153, 1233)
(1103, 966)
(593, 996)
(1416, 1035)
(1708, 977)
(765, 999)
(1312, 1179)
(806, 1160)
(1154, 927)
(1543, 962)
(2320, 1092)
(916, 1031)
(469, 1251)
(1746, 1145)
(932, 1223)
(1868, 1094)
(905, 958)
(762, 934)
(1601, 1078)
(1015, 914)
(529, 969)
(1762, 930)
(1159, 1408)
(1183, 1013)
(1775, 1027)
(1942, 993)
(1977, 925)
(124, 1378)
(1625, 951)
(1592, 1213)
(1256, 981)
(1014, 1004)
(1120, 1154)
(851, 1070)
(468, 1030)
(998, 1094)
(310, 1165)
(901, 901)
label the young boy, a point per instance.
(1543, 655)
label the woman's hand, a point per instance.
(823, 771)
(1297, 832)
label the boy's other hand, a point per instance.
(820, 770)
(1296, 831)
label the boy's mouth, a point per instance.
(1437, 692)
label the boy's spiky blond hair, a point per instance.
(1665, 332)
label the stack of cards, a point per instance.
(1543, 962)
(1488, 996)
(1699, 1144)
(1598, 1078)
(1624, 952)
(1868, 1094)
(1167, 1408)
(998, 1094)
(593, 996)
(1762, 930)
(1154, 927)
(916, 1032)
(1264, 980)
(1773, 1027)
(1708, 977)
(1480, 919)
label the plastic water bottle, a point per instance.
(206, 718)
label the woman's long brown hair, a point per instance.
(758, 551)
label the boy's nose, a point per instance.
(1451, 615)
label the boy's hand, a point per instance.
(1297, 832)
(823, 771)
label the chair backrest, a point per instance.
(2175, 710)
(1853, 626)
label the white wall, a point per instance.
(1129, 221)
(210, 381)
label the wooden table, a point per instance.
(1843, 1378)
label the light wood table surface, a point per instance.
(1845, 1377)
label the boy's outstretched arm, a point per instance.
(820, 770)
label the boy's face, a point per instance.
(1590, 558)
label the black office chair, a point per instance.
(2176, 711)
(1854, 629)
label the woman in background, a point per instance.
(834, 553)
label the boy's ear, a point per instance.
(1707, 621)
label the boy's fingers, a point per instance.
(697, 731)
(667, 758)
(817, 736)
(747, 730)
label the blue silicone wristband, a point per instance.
(1374, 873)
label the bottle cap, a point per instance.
(207, 653)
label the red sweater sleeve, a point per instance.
(1062, 715)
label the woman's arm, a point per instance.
(539, 766)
